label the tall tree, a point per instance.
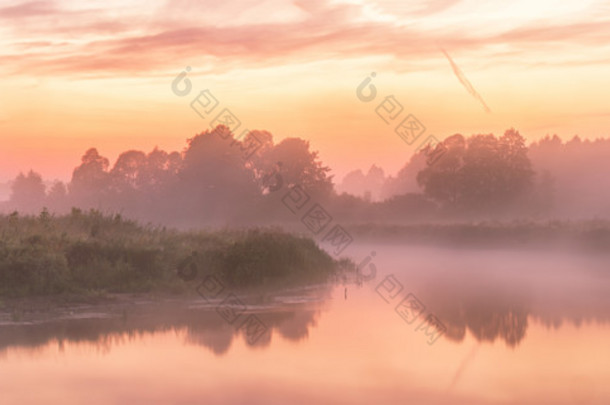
(301, 166)
(57, 197)
(28, 192)
(214, 182)
(442, 180)
(90, 180)
(480, 174)
(126, 172)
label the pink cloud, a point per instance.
(157, 43)
(29, 9)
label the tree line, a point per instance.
(219, 180)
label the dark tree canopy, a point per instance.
(481, 173)
(217, 179)
(222, 179)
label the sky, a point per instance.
(78, 74)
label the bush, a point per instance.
(88, 252)
(262, 258)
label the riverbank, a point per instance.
(91, 254)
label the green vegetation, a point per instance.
(262, 258)
(91, 253)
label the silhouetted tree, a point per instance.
(126, 172)
(367, 186)
(90, 181)
(481, 174)
(28, 192)
(160, 169)
(300, 166)
(214, 182)
(442, 181)
(577, 168)
(57, 197)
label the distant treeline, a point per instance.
(220, 180)
(89, 252)
(589, 236)
(490, 177)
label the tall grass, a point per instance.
(92, 252)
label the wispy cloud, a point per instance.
(435, 6)
(72, 38)
(28, 9)
(465, 82)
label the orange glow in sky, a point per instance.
(99, 73)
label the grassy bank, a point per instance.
(91, 253)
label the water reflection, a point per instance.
(289, 317)
(494, 295)
(529, 331)
(486, 317)
(495, 314)
(478, 294)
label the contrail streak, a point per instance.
(467, 360)
(460, 75)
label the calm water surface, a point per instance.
(517, 328)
